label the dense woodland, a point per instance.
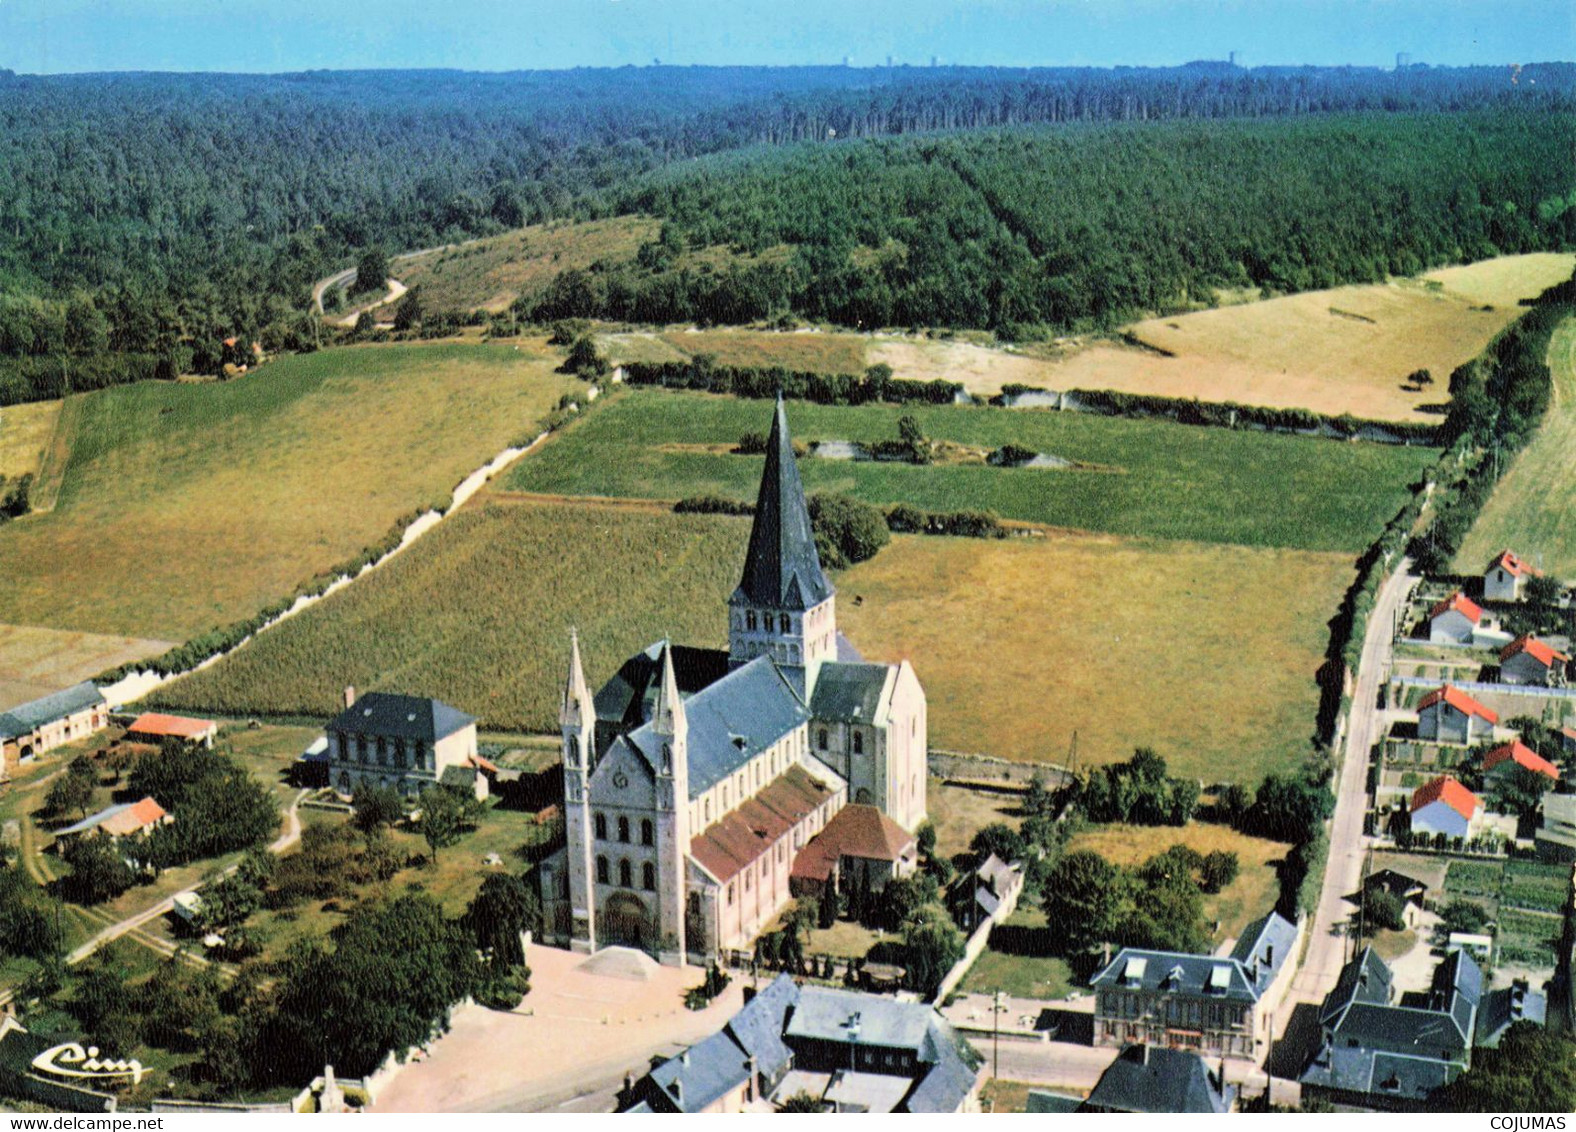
(145, 218)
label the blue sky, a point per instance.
(284, 35)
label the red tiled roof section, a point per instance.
(1459, 700)
(1541, 651)
(1447, 790)
(1523, 755)
(133, 818)
(856, 831)
(1462, 604)
(741, 836)
(173, 726)
(1513, 565)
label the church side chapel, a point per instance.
(695, 779)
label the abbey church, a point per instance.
(704, 789)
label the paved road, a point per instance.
(1329, 931)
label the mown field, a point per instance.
(24, 435)
(1533, 507)
(1208, 654)
(35, 662)
(1156, 478)
(184, 506)
(478, 613)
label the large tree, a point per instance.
(932, 944)
(1085, 901)
(1533, 1069)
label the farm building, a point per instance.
(155, 727)
(1445, 806)
(1454, 620)
(860, 847)
(32, 728)
(402, 742)
(1449, 715)
(126, 819)
(1502, 759)
(1146, 1078)
(1556, 834)
(1505, 578)
(1527, 660)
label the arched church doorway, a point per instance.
(624, 921)
(862, 797)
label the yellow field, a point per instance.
(35, 662)
(492, 272)
(1533, 508)
(189, 506)
(24, 435)
(1248, 897)
(1206, 653)
(1506, 280)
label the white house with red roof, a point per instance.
(155, 727)
(1445, 806)
(1449, 715)
(1527, 660)
(1505, 578)
(1503, 760)
(1454, 620)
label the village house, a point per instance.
(1503, 1008)
(849, 1051)
(1219, 1006)
(1410, 891)
(1445, 806)
(994, 891)
(1384, 1050)
(405, 743)
(1527, 660)
(154, 728)
(1152, 1079)
(1454, 620)
(1505, 578)
(125, 819)
(1449, 715)
(40, 725)
(1502, 761)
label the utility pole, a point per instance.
(995, 1039)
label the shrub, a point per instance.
(846, 530)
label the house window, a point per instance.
(361, 748)
(420, 757)
(783, 623)
(647, 833)
(624, 877)
(859, 742)
(749, 620)
(746, 881)
(601, 827)
(399, 752)
(730, 896)
(623, 829)
(648, 877)
(601, 870)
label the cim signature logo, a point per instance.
(70, 1060)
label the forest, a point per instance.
(145, 218)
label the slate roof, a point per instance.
(1462, 604)
(1447, 790)
(781, 568)
(1366, 979)
(1042, 1100)
(1178, 973)
(849, 693)
(1458, 989)
(758, 1028)
(1459, 700)
(1264, 947)
(730, 722)
(1153, 1079)
(954, 1067)
(1523, 756)
(738, 838)
(824, 1014)
(1503, 1008)
(1398, 884)
(709, 1069)
(396, 716)
(29, 717)
(120, 820)
(627, 699)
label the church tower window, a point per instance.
(820, 739)
(648, 877)
(749, 620)
(623, 829)
(624, 878)
(647, 833)
(859, 742)
(601, 827)
(601, 870)
(784, 623)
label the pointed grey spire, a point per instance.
(782, 569)
(668, 716)
(577, 698)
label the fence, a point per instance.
(968, 767)
(1494, 689)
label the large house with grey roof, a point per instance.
(1385, 1050)
(406, 743)
(30, 729)
(695, 778)
(847, 1051)
(1216, 1005)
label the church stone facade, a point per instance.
(695, 777)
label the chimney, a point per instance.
(684, 1058)
(1143, 1054)
(350, 695)
(677, 1089)
(1269, 955)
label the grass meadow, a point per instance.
(185, 506)
(1533, 508)
(25, 431)
(1159, 479)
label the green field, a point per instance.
(1478, 879)
(185, 506)
(1163, 480)
(478, 614)
(1536, 887)
(1533, 508)
(1527, 939)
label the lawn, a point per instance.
(1154, 478)
(1206, 653)
(959, 812)
(1252, 894)
(478, 614)
(1005, 1096)
(25, 432)
(1015, 962)
(185, 506)
(1533, 507)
